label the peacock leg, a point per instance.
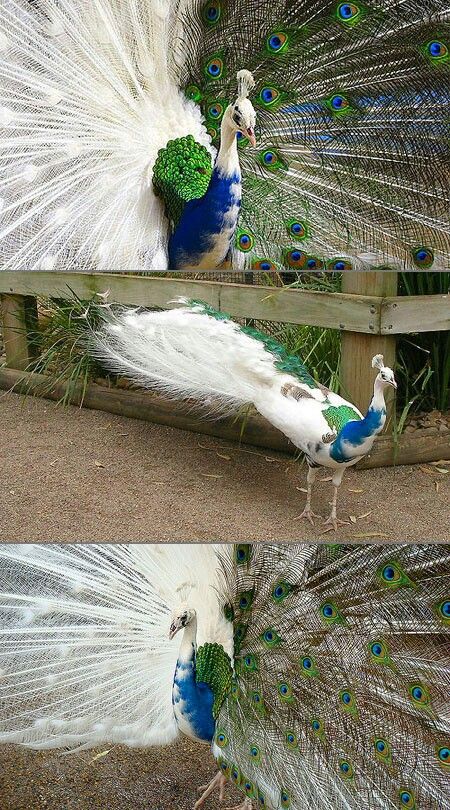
(219, 781)
(307, 512)
(333, 520)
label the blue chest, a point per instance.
(355, 433)
(204, 220)
(192, 703)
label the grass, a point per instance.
(62, 346)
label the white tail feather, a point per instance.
(184, 353)
(88, 95)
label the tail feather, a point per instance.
(338, 649)
(185, 353)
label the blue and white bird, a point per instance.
(318, 674)
(196, 352)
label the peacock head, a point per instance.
(385, 374)
(181, 618)
(241, 116)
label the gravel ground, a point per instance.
(123, 779)
(80, 475)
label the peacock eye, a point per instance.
(296, 258)
(291, 740)
(423, 257)
(285, 799)
(419, 695)
(297, 229)
(314, 263)
(338, 103)
(392, 575)
(407, 799)
(437, 50)
(215, 110)
(280, 591)
(221, 739)
(348, 12)
(211, 13)
(194, 93)
(277, 42)
(214, 68)
(444, 609)
(263, 265)
(244, 241)
(444, 755)
(269, 96)
(339, 265)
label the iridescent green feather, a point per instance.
(213, 666)
(182, 172)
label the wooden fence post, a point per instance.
(357, 375)
(19, 314)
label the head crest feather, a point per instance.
(246, 83)
(378, 361)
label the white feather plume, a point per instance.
(88, 95)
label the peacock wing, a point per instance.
(85, 657)
(352, 129)
(341, 674)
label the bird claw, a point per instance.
(333, 522)
(218, 781)
(309, 515)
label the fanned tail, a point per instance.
(341, 657)
(352, 128)
(88, 96)
(84, 650)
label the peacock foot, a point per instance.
(246, 805)
(309, 515)
(219, 781)
(333, 522)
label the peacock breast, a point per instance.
(192, 703)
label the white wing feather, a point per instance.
(84, 652)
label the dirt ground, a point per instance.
(123, 779)
(80, 475)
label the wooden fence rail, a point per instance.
(368, 313)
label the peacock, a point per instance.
(318, 674)
(194, 351)
(125, 145)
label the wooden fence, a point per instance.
(368, 313)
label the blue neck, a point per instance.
(353, 438)
(194, 701)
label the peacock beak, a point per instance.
(250, 133)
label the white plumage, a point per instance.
(85, 105)
(85, 656)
